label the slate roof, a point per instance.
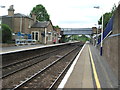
(18, 15)
(41, 24)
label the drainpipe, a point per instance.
(45, 34)
(21, 24)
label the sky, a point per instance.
(64, 13)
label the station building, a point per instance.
(17, 22)
(41, 31)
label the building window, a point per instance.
(35, 35)
(29, 25)
(49, 37)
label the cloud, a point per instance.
(65, 13)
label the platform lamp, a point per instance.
(1, 17)
(1, 39)
(96, 25)
(97, 7)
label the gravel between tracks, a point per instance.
(45, 79)
(11, 81)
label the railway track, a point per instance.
(19, 76)
(9, 58)
(49, 76)
(57, 80)
(23, 64)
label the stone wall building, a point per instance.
(17, 22)
(42, 32)
(58, 34)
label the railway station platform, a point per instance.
(12, 49)
(89, 70)
(18, 48)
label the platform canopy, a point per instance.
(77, 31)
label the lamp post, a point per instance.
(2, 6)
(97, 7)
(101, 37)
(21, 24)
(1, 17)
(96, 33)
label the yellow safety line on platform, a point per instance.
(94, 71)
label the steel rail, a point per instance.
(65, 69)
(27, 65)
(42, 70)
(27, 59)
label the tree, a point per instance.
(6, 33)
(113, 9)
(107, 17)
(56, 26)
(41, 13)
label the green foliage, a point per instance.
(83, 38)
(56, 26)
(107, 16)
(0, 36)
(113, 9)
(77, 38)
(6, 33)
(41, 13)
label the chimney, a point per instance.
(34, 17)
(11, 11)
(118, 3)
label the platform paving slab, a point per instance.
(17, 48)
(81, 77)
(107, 78)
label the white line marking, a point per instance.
(30, 48)
(63, 82)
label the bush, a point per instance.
(6, 33)
(0, 35)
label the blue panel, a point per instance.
(29, 36)
(107, 30)
(19, 33)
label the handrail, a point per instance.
(114, 35)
